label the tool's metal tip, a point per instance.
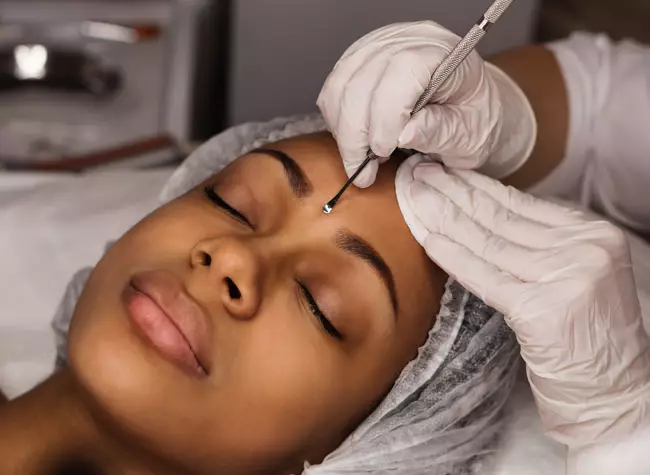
(329, 206)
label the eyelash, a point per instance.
(212, 195)
(324, 321)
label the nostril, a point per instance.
(206, 259)
(233, 290)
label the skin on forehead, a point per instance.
(280, 389)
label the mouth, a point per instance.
(169, 320)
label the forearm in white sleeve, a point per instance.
(607, 161)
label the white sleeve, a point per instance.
(607, 161)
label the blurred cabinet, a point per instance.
(88, 82)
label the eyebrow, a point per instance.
(353, 244)
(298, 181)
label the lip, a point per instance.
(172, 321)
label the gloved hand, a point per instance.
(564, 283)
(478, 118)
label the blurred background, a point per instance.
(137, 83)
(125, 89)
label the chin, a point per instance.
(141, 398)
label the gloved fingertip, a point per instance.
(425, 197)
(383, 150)
(367, 176)
(406, 138)
(428, 205)
(432, 130)
(462, 163)
(428, 172)
(416, 133)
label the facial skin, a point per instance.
(279, 388)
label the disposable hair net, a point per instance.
(443, 415)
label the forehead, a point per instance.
(372, 213)
(318, 156)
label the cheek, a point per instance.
(288, 392)
(163, 239)
(283, 369)
(157, 241)
(167, 236)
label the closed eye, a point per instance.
(317, 312)
(217, 200)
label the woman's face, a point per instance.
(238, 329)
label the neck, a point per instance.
(53, 426)
(44, 427)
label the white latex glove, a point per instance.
(478, 118)
(564, 283)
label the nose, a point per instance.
(234, 271)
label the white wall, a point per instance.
(284, 49)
